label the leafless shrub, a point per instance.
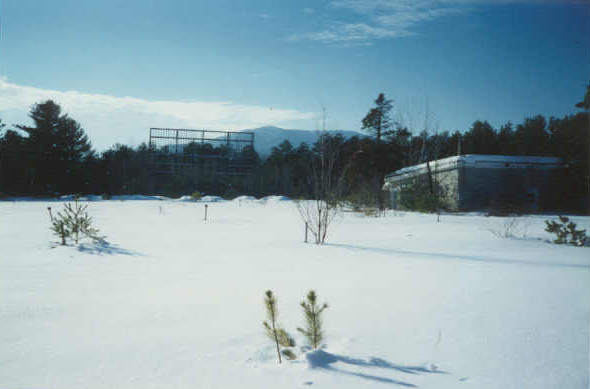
(318, 215)
(327, 184)
(509, 227)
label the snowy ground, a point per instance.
(176, 301)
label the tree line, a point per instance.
(54, 156)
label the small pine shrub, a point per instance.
(566, 232)
(289, 354)
(74, 223)
(313, 319)
(273, 330)
(284, 338)
(196, 195)
(59, 227)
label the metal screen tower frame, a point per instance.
(173, 149)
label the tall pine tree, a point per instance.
(377, 121)
(58, 146)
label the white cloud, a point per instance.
(351, 33)
(378, 19)
(308, 10)
(383, 19)
(109, 119)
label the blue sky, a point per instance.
(119, 67)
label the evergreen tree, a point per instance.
(532, 137)
(59, 146)
(13, 162)
(506, 140)
(313, 319)
(480, 139)
(585, 103)
(377, 121)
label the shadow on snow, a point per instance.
(320, 359)
(459, 257)
(105, 248)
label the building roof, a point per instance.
(477, 161)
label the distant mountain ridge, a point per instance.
(265, 138)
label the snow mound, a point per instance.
(212, 199)
(244, 198)
(22, 198)
(205, 199)
(273, 199)
(87, 198)
(62, 198)
(93, 198)
(138, 197)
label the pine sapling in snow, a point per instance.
(79, 221)
(313, 319)
(285, 339)
(73, 222)
(566, 232)
(289, 354)
(273, 331)
(59, 227)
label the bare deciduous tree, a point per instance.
(327, 187)
(416, 117)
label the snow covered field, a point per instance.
(174, 301)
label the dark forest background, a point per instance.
(54, 156)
